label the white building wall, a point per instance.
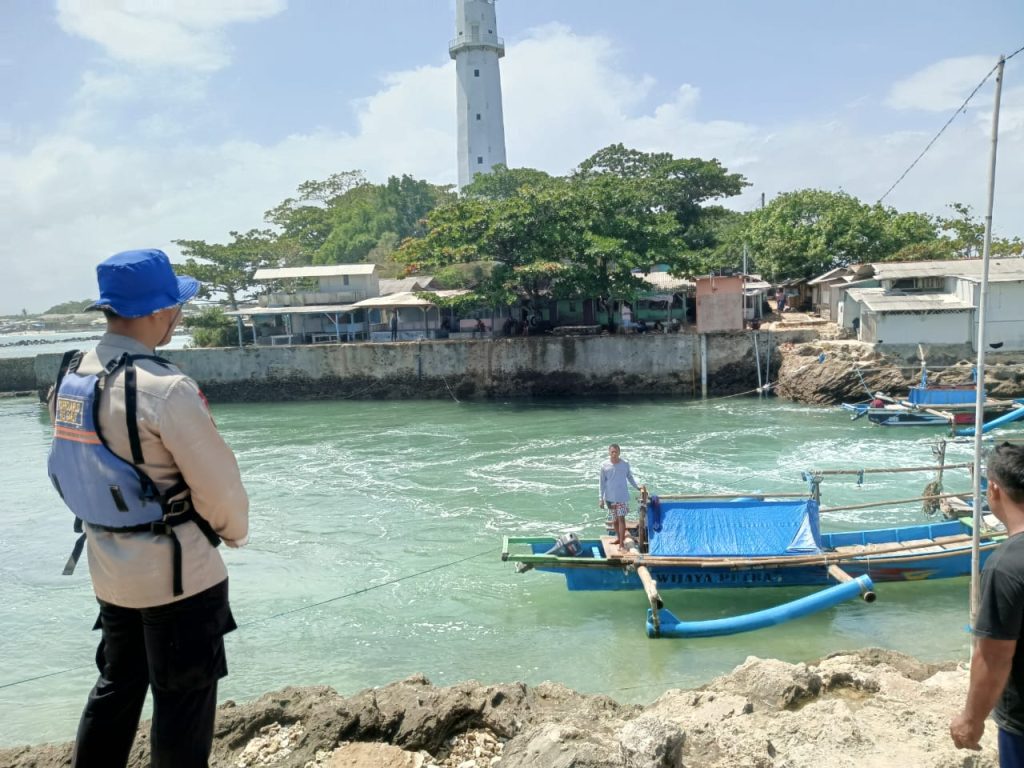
(476, 50)
(927, 328)
(1004, 311)
(850, 310)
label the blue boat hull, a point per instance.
(602, 575)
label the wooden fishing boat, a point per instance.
(927, 404)
(754, 541)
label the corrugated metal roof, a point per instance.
(663, 281)
(832, 274)
(405, 299)
(404, 285)
(897, 270)
(880, 300)
(330, 270)
(313, 310)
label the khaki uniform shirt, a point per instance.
(178, 438)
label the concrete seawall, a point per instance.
(581, 366)
(17, 374)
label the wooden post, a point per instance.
(704, 366)
(941, 455)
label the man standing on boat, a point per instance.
(138, 459)
(615, 474)
(997, 665)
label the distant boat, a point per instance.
(927, 405)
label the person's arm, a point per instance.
(206, 462)
(990, 669)
(602, 488)
(629, 476)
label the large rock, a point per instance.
(872, 708)
(826, 373)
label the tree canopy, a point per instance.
(581, 235)
(810, 231)
(229, 268)
(345, 219)
(522, 234)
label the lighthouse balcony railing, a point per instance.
(463, 42)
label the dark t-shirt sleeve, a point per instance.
(1001, 609)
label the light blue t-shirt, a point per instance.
(614, 479)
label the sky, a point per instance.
(132, 123)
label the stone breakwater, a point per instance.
(870, 708)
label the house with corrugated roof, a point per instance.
(341, 302)
(827, 289)
(936, 302)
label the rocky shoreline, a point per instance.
(870, 708)
(829, 372)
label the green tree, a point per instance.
(502, 183)
(965, 236)
(345, 219)
(305, 220)
(558, 239)
(682, 186)
(212, 328)
(229, 268)
(810, 231)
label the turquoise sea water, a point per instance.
(354, 495)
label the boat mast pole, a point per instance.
(979, 396)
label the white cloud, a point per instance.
(940, 87)
(74, 200)
(182, 33)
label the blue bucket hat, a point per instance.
(139, 283)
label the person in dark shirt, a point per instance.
(997, 665)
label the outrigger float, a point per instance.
(762, 540)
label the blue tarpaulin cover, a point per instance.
(745, 527)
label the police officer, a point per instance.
(154, 488)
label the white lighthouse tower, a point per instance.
(476, 50)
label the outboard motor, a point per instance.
(566, 545)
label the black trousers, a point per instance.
(177, 650)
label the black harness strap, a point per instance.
(76, 552)
(66, 362)
(131, 398)
(174, 512)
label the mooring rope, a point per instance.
(288, 612)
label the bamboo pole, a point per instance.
(941, 414)
(650, 587)
(878, 470)
(937, 497)
(824, 559)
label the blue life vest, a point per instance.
(98, 486)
